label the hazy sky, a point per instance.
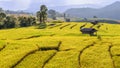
(24, 4)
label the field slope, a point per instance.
(60, 46)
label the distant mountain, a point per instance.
(66, 7)
(110, 11)
(34, 7)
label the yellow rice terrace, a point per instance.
(61, 45)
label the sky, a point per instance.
(24, 4)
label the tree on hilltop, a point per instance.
(42, 14)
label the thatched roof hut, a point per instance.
(90, 31)
(94, 22)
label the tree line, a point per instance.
(7, 21)
(12, 21)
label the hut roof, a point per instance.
(94, 22)
(88, 29)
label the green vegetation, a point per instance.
(27, 21)
(105, 20)
(11, 21)
(60, 45)
(42, 14)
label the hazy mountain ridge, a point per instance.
(35, 7)
(83, 11)
(110, 11)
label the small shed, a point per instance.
(94, 22)
(90, 31)
(67, 19)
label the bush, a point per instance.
(1, 25)
(27, 21)
(42, 25)
(99, 37)
(9, 22)
(2, 16)
(57, 21)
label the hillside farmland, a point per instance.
(61, 45)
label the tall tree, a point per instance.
(43, 10)
(42, 14)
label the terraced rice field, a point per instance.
(60, 46)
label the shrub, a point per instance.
(9, 22)
(2, 16)
(57, 21)
(1, 25)
(27, 21)
(42, 25)
(99, 37)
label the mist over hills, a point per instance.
(61, 8)
(110, 11)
